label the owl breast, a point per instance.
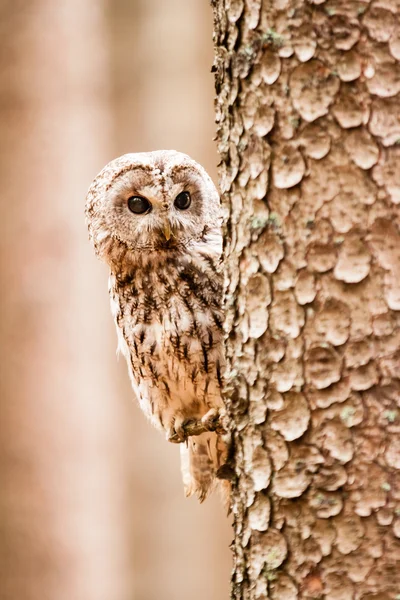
(169, 323)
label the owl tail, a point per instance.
(201, 458)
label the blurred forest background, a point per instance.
(91, 499)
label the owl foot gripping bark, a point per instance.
(213, 420)
(155, 219)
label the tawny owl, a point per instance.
(155, 219)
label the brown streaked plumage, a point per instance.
(155, 219)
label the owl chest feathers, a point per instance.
(169, 323)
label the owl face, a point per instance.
(155, 201)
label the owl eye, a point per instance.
(139, 205)
(182, 201)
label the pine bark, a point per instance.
(308, 126)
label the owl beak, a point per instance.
(167, 230)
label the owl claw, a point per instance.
(172, 436)
(210, 419)
(213, 420)
(177, 432)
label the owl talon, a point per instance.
(213, 420)
(172, 436)
(177, 433)
(210, 419)
(179, 426)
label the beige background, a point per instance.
(91, 502)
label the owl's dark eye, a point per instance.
(139, 205)
(182, 201)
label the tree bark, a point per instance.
(308, 129)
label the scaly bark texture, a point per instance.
(308, 130)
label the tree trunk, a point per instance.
(308, 130)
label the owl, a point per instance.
(155, 219)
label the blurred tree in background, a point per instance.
(308, 131)
(91, 500)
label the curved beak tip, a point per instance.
(167, 231)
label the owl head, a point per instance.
(151, 202)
